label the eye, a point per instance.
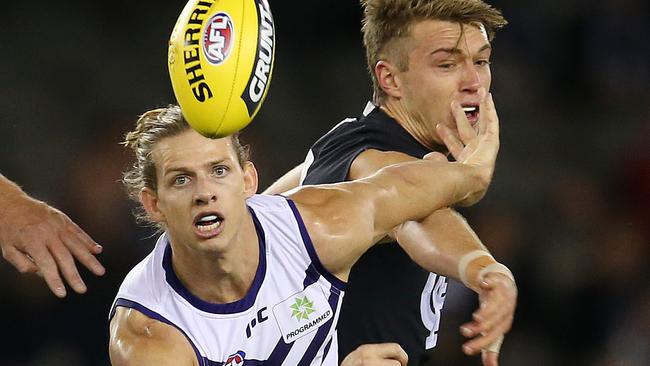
(446, 65)
(483, 63)
(181, 180)
(220, 170)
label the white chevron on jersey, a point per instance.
(288, 317)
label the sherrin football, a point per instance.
(220, 62)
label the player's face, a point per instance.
(444, 66)
(201, 191)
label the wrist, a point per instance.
(495, 267)
(11, 197)
(470, 266)
(475, 185)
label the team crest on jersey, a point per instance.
(218, 38)
(236, 359)
(302, 313)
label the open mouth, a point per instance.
(471, 111)
(208, 222)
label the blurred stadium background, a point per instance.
(568, 211)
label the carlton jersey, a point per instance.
(389, 297)
(288, 317)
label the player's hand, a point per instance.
(493, 319)
(379, 354)
(37, 238)
(476, 146)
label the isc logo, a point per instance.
(218, 38)
(261, 317)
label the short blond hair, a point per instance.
(150, 128)
(388, 20)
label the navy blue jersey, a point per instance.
(389, 297)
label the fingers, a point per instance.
(500, 301)
(19, 260)
(489, 123)
(436, 156)
(490, 358)
(66, 266)
(453, 143)
(465, 129)
(84, 238)
(381, 354)
(498, 297)
(485, 339)
(84, 249)
(48, 269)
(392, 351)
(483, 108)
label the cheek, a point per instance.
(173, 204)
(486, 78)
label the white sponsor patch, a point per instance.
(302, 313)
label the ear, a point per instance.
(250, 179)
(388, 78)
(149, 201)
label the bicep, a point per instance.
(338, 223)
(136, 340)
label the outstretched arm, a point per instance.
(444, 243)
(37, 238)
(347, 218)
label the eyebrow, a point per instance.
(183, 169)
(174, 171)
(456, 50)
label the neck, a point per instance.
(414, 124)
(219, 277)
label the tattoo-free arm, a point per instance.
(137, 340)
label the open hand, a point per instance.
(37, 238)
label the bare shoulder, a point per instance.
(371, 160)
(136, 339)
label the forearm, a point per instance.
(445, 244)
(8, 188)
(288, 181)
(437, 242)
(10, 195)
(414, 190)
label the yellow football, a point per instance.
(220, 60)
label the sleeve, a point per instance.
(330, 158)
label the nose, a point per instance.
(204, 198)
(204, 194)
(471, 80)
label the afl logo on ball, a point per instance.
(218, 37)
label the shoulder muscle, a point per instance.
(136, 339)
